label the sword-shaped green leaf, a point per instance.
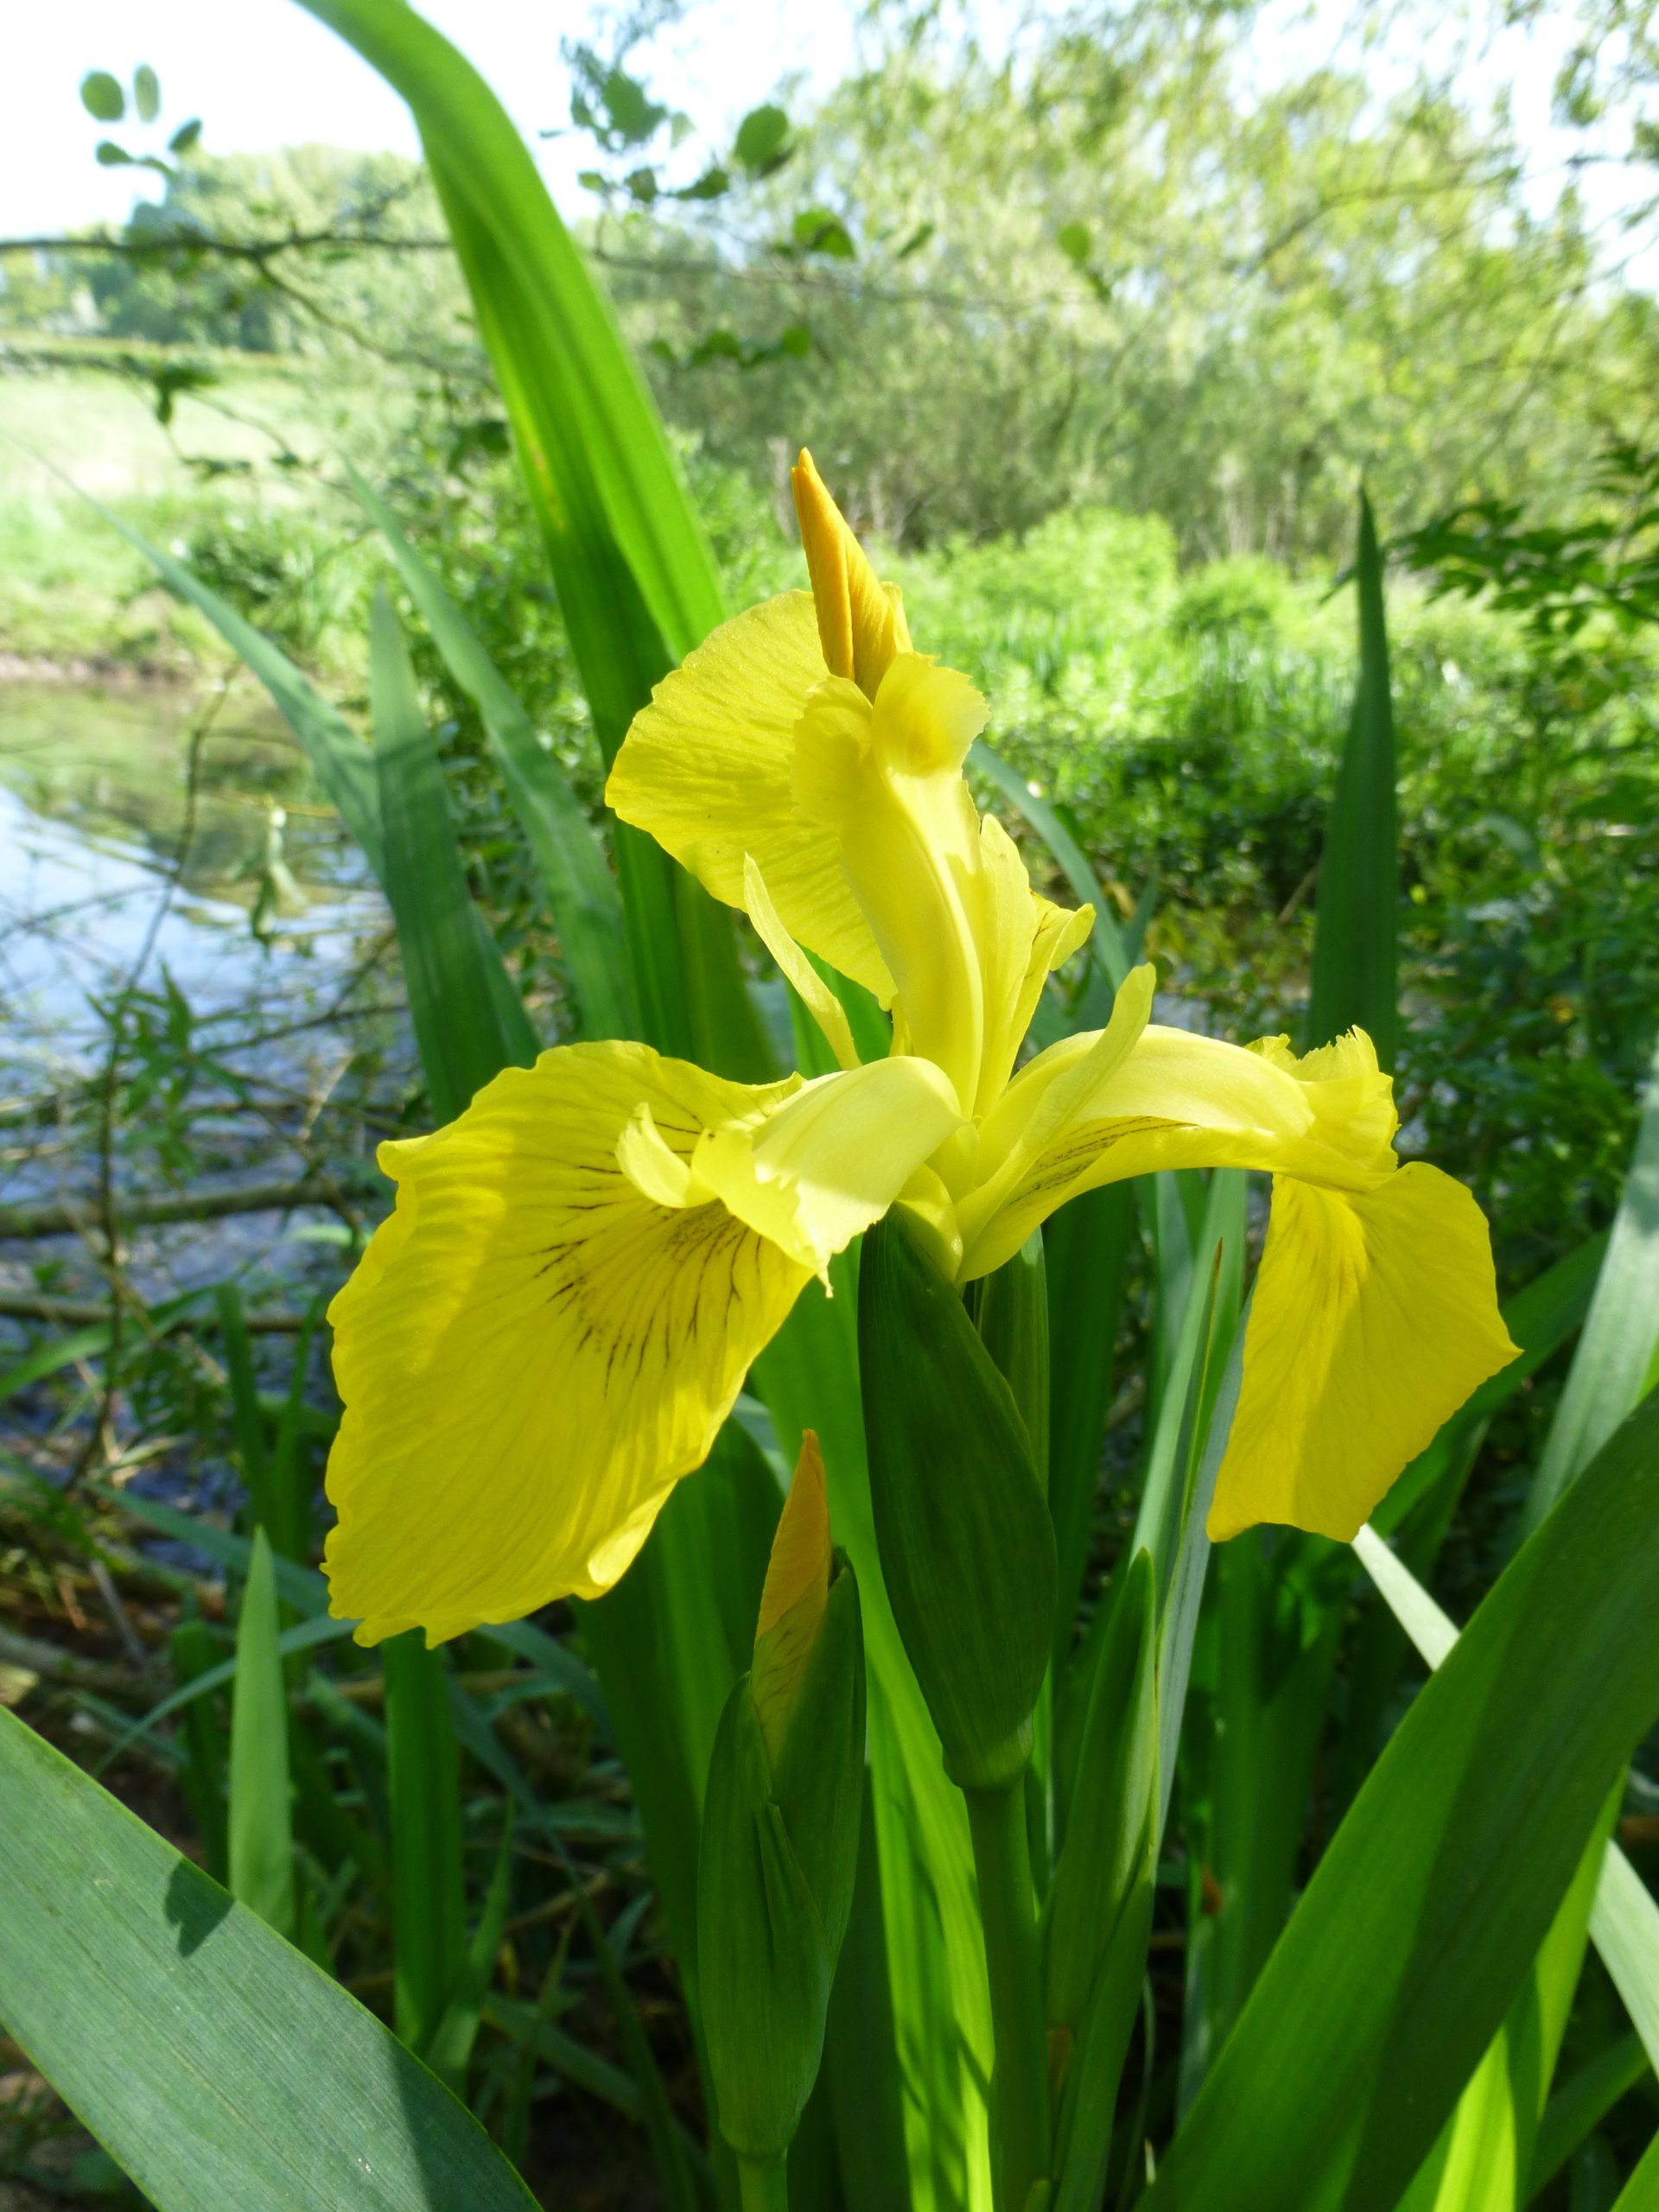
(215, 2064)
(1423, 1919)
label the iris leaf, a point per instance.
(1332, 2087)
(214, 2064)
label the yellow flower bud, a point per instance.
(861, 619)
(792, 1603)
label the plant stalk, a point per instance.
(1008, 1907)
(764, 2187)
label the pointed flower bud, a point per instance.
(861, 623)
(780, 1830)
(792, 1604)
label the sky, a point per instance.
(264, 73)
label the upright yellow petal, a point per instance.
(532, 1350)
(1374, 1316)
(885, 781)
(1022, 938)
(708, 770)
(861, 620)
(815, 995)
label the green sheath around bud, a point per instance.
(967, 1546)
(780, 1832)
(1011, 1318)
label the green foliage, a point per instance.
(932, 253)
(1295, 2102)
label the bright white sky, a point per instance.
(264, 73)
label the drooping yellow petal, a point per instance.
(821, 1167)
(861, 623)
(1071, 1121)
(1374, 1315)
(708, 769)
(797, 1591)
(532, 1350)
(885, 781)
(815, 995)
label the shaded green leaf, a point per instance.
(761, 141)
(261, 1816)
(1354, 950)
(214, 2064)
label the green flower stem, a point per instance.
(764, 2188)
(1008, 1907)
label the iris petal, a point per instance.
(1374, 1315)
(708, 769)
(533, 1351)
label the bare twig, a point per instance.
(28, 1222)
(87, 1313)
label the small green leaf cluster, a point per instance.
(104, 99)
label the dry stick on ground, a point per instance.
(87, 1313)
(68, 1218)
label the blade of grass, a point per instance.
(290, 1460)
(1581, 2104)
(58, 1352)
(1086, 1248)
(428, 1889)
(1614, 1364)
(341, 761)
(582, 893)
(577, 401)
(450, 2047)
(1641, 2192)
(305, 1591)
(1354, 956)
(261, 1814)
(1625, 1922)
(215, 2064)
(247, 1420)
(194, 1649)
(565, 2055)
(675, 2165)
(463, 1042)
(1481, 2162)
(304, 1635)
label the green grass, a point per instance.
(237, 478)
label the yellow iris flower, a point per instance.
(550, 1329)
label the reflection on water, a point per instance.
(272, 898)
